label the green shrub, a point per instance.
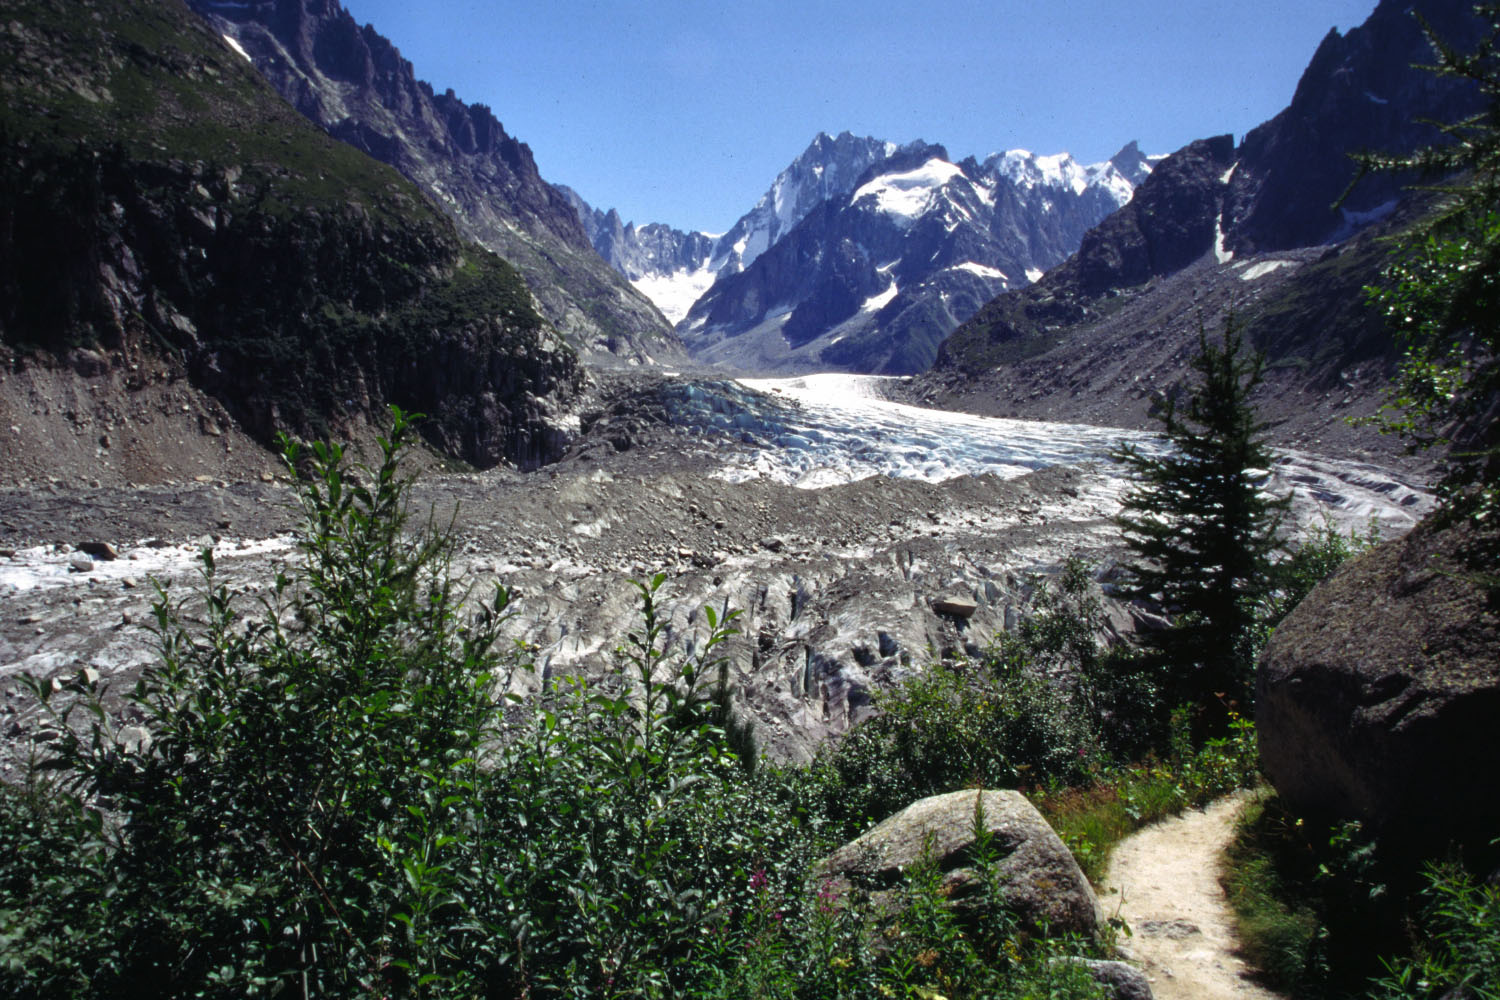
(1092, 818)
(302, 809)
(329, 794)
(1275, 918)
(955, 726)
(1458, 954)
(1308, 564)
(335, 799)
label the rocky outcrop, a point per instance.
(1039, 882)
(1120, 980)
(1376, 699)
(354, 83)
(652, 249)
(1364, 90)
(1169, 223)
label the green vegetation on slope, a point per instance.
(157, 193)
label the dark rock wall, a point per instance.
(186, 219)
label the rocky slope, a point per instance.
(1219, 228)
(187, 264)
(354, 83)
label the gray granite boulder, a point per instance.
(1377, 699)
(1040, 882)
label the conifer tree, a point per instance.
(1203, 531)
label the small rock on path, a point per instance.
(1183, 928)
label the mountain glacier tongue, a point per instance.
(825, 430)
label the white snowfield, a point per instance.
(675, 293)
(843, 429)
(906, 196)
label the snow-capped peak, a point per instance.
(827, 168)
(1118, 176)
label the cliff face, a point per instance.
(355, 84)
(166, 220)
(1362, 91)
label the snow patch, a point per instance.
(1033, 275)
(875, 303)
(907, 195)
(1224, 255)
(233, 43)
(1264, 268)
(1224, 178)
(675, 293)
(980, 270)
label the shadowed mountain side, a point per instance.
(1216, 229)
(1117, 359)
(187, 261)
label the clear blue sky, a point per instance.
(683, 111)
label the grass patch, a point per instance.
(1093, 819)
(1277, 922)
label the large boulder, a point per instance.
(1121, 980)
(1378, 698)
(1040, 883)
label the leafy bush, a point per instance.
(301, 806)
(1459, 954)
(1019, 715)
(1276, 920)
(1307, 565)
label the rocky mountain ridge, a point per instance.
(872, 280)
(355, 84)
(675, 268)
(994, 225)
(1219, 228)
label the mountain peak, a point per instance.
(1132, 164)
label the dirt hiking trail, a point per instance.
(1183, 929)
